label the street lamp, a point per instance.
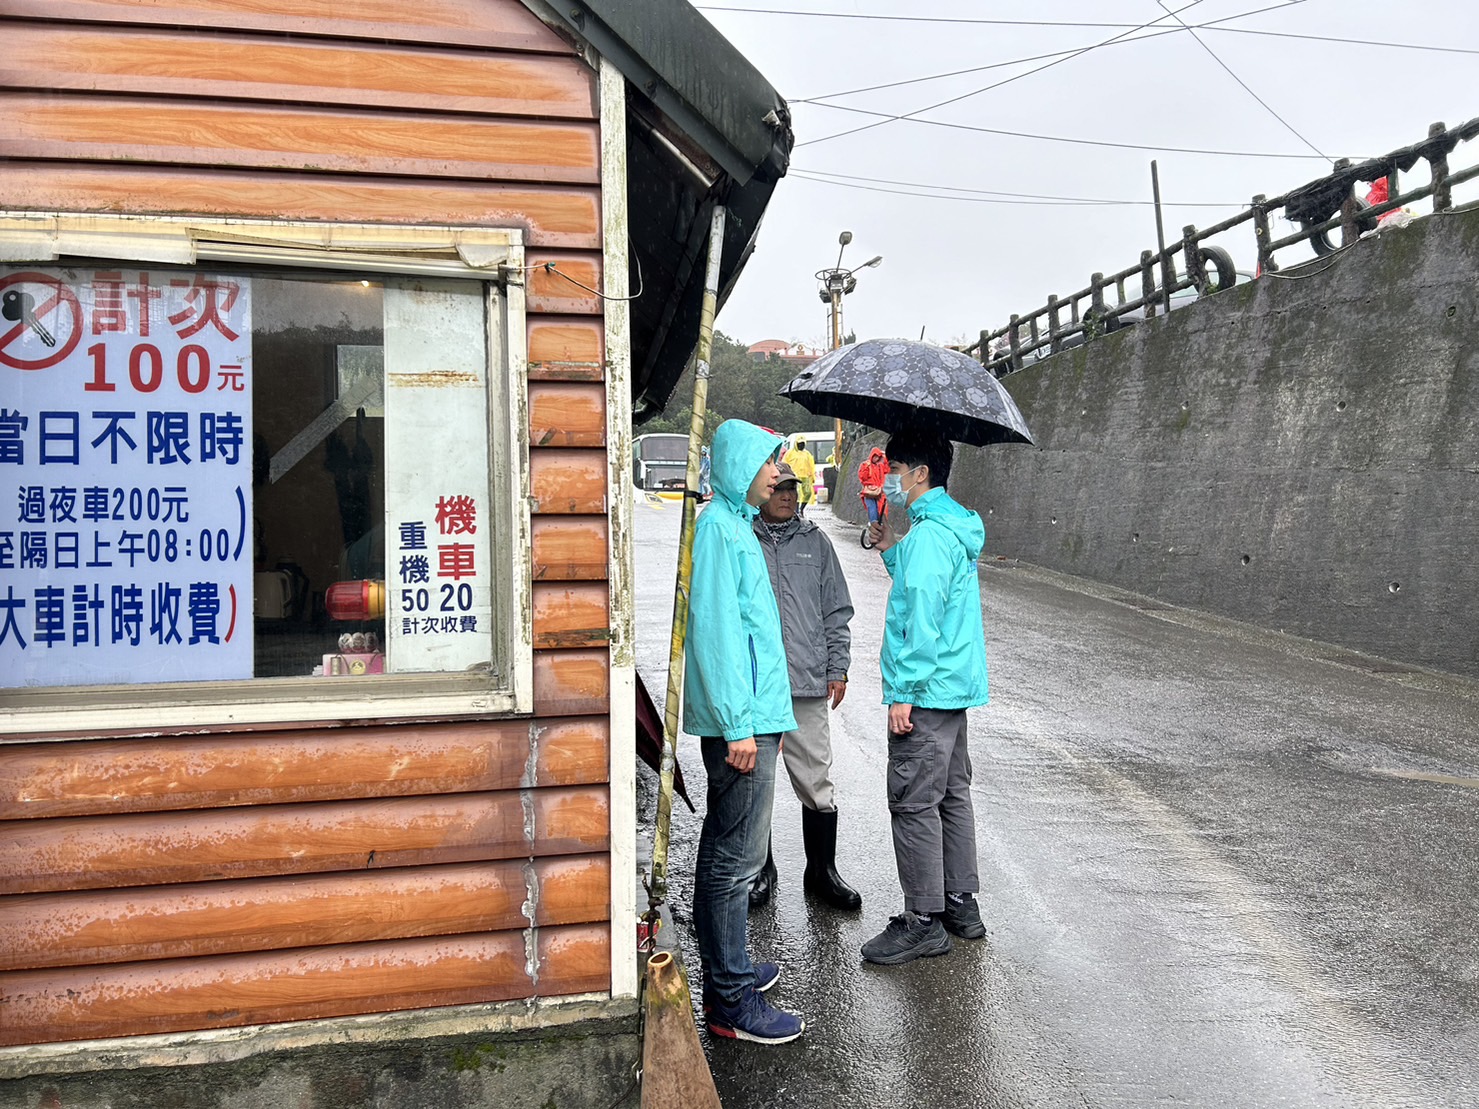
(835, 284)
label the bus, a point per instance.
(659, 460)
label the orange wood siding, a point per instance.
(301, 71)
(571, 614)
(298, 984)
(154, 884)
(490, 23)
(213, 918)
(142, 775)
(157, 848)
(570, 548)
(567, 414)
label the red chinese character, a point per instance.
(455, 561)
(457, 515)
(202, 302)
(108, 313)
(144, 293)
(231, 375)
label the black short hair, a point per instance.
(916, 447)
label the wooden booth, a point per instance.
(323, 331)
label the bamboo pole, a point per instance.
(675, 1074)
(658, 889)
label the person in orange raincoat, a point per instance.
(870, 476)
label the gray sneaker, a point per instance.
(963, 918)
(907, 938)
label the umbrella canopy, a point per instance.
(892, 384)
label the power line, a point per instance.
(802, 176)
(973, 69)
(988, 88)
(1062, 138)
(1210, 25)
(914, 18)
(1246, 88)
(1331, 38)
(845, 178)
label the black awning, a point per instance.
(704, 127)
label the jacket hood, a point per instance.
(876, 455)
(939, 507)
(740, 449)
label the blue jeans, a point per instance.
(731, 852)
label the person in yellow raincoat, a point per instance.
(805, 468)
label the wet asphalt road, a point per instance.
(1220, 867)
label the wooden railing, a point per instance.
(1319, 207)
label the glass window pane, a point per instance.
(215, 476)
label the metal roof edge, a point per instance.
(691, 73)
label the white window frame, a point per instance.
(494, 256)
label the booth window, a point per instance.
(216, 475)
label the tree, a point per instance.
(739, 388)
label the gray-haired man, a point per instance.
(815, 610)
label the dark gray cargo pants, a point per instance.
(929, 797)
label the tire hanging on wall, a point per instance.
(1218, 270)
(1321, 241)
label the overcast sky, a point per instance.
(955, 266)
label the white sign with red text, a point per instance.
(125, 477)
(438, 522)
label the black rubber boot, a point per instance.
(764, 883)
(819, 834)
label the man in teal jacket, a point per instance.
(934, 669)
(737, 699)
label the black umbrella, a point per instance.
(892, 384)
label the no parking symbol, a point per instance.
(40, 321)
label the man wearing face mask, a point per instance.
(934, 669)
(815, 611)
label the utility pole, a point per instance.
(835, 284)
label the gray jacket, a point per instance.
(814, 602)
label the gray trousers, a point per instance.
(929, 799)
(807, 753)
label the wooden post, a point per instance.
(1168, 268)
(1442, 191)
(1350, 231)
(1147, 283)
(1266, 263)
(675, 1074)
(1054, 343)
(1014, 341)
(1094, 322)
(1192, 252)
(985, 348)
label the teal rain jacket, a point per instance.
(934, 647)
(735, 682)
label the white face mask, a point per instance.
(895, 493)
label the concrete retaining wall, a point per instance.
(1302, 454)
(582, 1057)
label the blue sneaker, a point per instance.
(753, 1018)
(766, 975)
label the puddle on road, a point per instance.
(1425, 776)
